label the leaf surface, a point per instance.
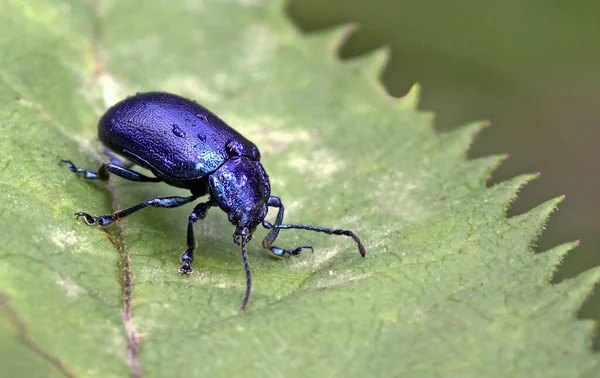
(449, 286)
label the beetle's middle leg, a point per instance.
(105, 220)
(107, 168)
(199, 212)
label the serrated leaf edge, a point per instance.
(373, 65)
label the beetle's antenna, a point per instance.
(248, 274)
(328, 231)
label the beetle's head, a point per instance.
(247, 217)
(241, 188)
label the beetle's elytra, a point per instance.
(185, 145)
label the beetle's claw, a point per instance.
(102, 220)
(88, 218)
(72, 166)
(308, 246)
(298, 250)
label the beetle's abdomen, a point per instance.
(174, 137)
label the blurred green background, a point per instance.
(532, 67)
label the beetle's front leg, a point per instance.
(187, 258)
(274, 231)
(279, 252)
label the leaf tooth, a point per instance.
(458, 141)
(574, 295)
(478, 171)
(530, 225)
(508, 190)
(334, 38)
(555, 257)
(410, 101)
(571, 293)
(579, 290)
(582, 295)
(586, 284)
(373, 63)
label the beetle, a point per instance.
(185, 145)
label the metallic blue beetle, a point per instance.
(185, 145)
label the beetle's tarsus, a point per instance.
(187, 258)
(88, 175)
(185, 268)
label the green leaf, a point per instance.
(449, 285)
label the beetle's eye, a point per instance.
(234, 148)
(237, 217)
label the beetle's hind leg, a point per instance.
(166, 202)
(187, 258)
(107, 168)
